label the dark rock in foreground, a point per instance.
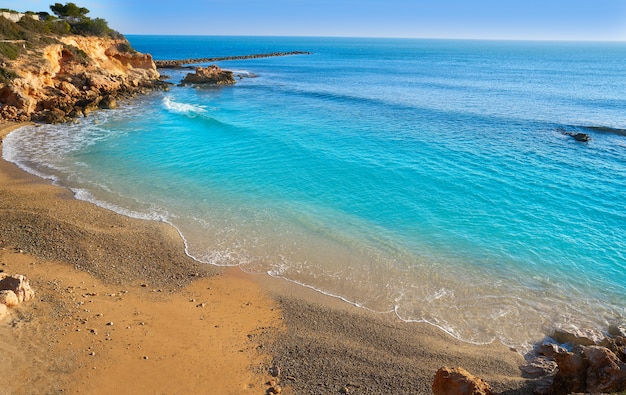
(591, 365)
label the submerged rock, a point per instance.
(617, 330)
(582, 137)
(582, 337)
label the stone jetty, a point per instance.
(175, 64)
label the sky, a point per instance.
(596, 20)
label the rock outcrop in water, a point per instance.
(212, 75)
(54, 78)
(582, 137)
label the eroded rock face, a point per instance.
(4, 311)
(212, 75)
(595, 368)
(17, 284)
(71, 78)
(8, 298)
(606, 373)
(572, 373)
(617, 345)
(539, 367)
(14, 289)
(458, 381)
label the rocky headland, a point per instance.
(52, 78)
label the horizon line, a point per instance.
(572, 40)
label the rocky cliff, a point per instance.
(68, 76)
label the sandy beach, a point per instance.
(120, 308)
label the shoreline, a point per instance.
(323, 343)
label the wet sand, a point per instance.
(120, 308)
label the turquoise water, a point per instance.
(426, 177)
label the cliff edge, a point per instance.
(51, 77)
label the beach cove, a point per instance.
(335, 200)
(435, 179)
(215, 328)
(438, 204)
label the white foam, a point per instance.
(11, 153)
(182, 108)
(83, 194)
(244, 73)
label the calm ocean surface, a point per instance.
(426, 177)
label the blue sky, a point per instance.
(484, 19)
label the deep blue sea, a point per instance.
(431, 178)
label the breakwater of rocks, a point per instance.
(174, 64)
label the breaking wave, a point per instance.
(182, 108)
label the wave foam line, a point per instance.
(182, 108)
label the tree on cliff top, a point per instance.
(69, 11)
(80, 23)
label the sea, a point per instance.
(434, 179)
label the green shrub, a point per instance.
(73, 20)
(126, 47)
(58, 27)
(7, 75)
(9, 50)
(78, 54)
(34, 26)
(92, 27)
(9, 30)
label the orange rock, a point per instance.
(606, 373)
(3, 311)
(458, 381)
(19, 285)
(8, 298)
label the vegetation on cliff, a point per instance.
(35, 30)
(79, 23)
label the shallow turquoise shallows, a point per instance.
(432, 178)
